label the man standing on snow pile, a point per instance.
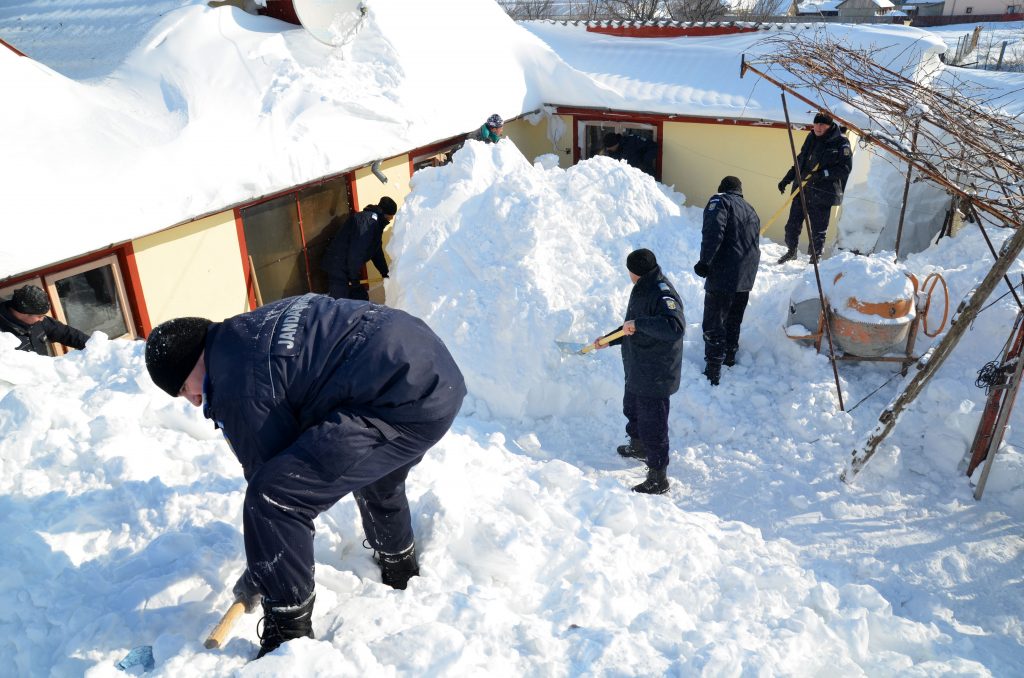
(24, 316)
(318, 399)
(490, 132)
(652, 357)
(729, 255)
(825, 161)
(360, 239)
(636, 150)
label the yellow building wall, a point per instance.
(695, 157)
(532, 140)
(369, 190)
(193, 270)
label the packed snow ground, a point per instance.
(121, 506)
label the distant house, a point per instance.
(982, 7)
(864, 8)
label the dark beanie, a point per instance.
(30, 300)
(823, 118)
(730, 184)
(387, 206)
(172, 351)
(612, 139)
(641, 262)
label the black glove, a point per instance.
(246, 592)
(701, 269)
(782, 186)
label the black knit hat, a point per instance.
(823, 118)
(387, 206)
(612, 139)
(495, 121)
(730, 183)
(641, 262)
(30, 300)
(172, 351)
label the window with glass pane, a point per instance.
(324, 208)
(274, 242)
(90, 302)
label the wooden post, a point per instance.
(255, 283)
(906, 189)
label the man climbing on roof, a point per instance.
(317, 398)
(490, 132)
(825, 161)
(25, 316)
(358, 240)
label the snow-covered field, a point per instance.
(121, 506)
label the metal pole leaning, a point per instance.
(814, 259)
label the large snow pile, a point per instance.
(538, 255)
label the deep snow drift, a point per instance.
(121, 506)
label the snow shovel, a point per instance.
(569, 347)
(215, 641)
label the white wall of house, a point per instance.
(955, 7)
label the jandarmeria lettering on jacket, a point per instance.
(290, 322)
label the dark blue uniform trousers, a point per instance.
(818, 210)
(286, 493)
(647, 419)
(723, 315)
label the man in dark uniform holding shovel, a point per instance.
(318, 398)
(652, 357)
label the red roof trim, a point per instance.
(670, 31)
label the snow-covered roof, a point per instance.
(819, 7)
(880, 4)
(205, 108)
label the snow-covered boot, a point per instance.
(282, 623)
(396, 569)
(713, 373)
(656, 483)
(634, 449)
(790, 255)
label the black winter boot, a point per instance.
(396, 569)
(713, 373)
(730, 358)
(284, 623)
(790, 255)
(656, 483)
(634, 449)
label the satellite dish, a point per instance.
(329, 21)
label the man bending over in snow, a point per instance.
(652, 355)
(317, 398)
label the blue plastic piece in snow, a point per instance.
(140, 656)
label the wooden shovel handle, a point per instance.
(604, 341)
(216, 638)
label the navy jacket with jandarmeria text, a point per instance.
(653, 357)
(730, 243)
(829, 160)
(291, 366)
